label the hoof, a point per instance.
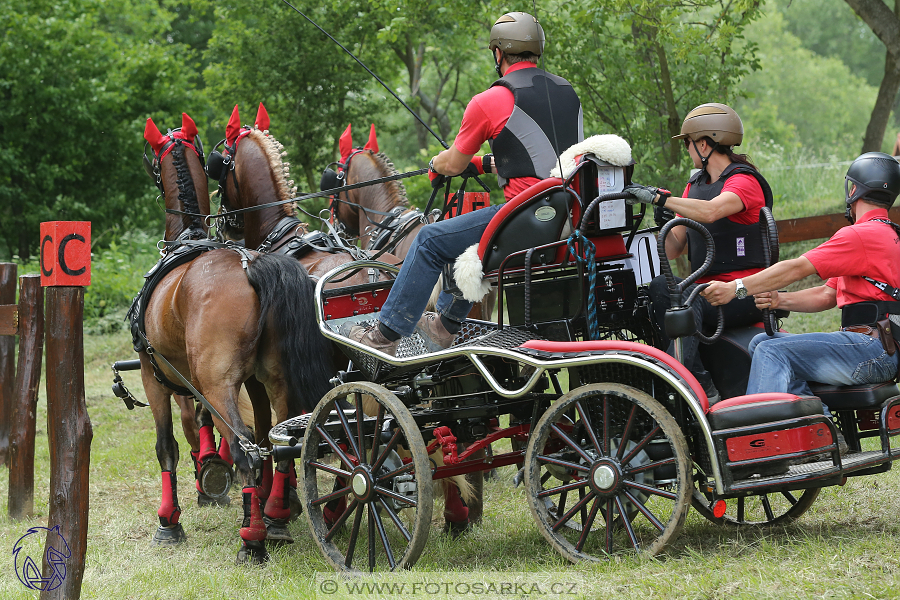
(169, 536)
(457, 528)
(296, 505)
(204, 500)
(252, 553)
(277, 532)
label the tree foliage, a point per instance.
(77, 80)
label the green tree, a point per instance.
(77, 80)
(639, 66)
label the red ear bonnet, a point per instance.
(262, 118)
(372, 144)
(345, 144)
(234, 127)
(153, 136)
(188, 128)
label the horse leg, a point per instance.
(456, 513)
(170, 531)
(213, 474)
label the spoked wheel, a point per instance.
(366, 480)
(763, 509)
(608, 470)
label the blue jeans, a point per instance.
(436, 245)
(786, 362)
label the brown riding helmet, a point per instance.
(516, 33)
(716, 121)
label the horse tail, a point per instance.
(287, 310)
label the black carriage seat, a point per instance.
(853, 397)
(743, 411)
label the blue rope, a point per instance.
(586, 257)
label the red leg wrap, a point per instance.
(266, 488)
(277, 504)
(207, 442)
(252, 528)
(334, 509)
(225, 451)
(454, 509)
(169, 511)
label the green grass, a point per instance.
(844, 547)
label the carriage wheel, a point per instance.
(761, 509)
(367, 497)
(608, 470)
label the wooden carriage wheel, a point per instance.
(368, 500)
(760, 509)
(608, 470)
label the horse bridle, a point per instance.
(152, 167)
(227, 164)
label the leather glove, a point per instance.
(472, 169)
(662, 215)
(640, 194)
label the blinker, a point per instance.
(215, 165)
(148, 166)
(331, 179)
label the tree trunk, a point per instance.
(887, 93)
(673, 120)
(7, 360)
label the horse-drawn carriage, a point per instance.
(615, 438)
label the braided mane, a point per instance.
(187, 194)
(395, 188)
(274, 151)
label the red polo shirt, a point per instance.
(866, 248)
(485, 117)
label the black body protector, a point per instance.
(738, 246)
(527, 146)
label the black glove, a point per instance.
(662, 215)
(640, 194)
(470, 171)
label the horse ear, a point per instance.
(152, 135)
(262, 118)
(188, 128)
(345, 143)
(372, 144)
(234, 126)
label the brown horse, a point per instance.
(225, 318)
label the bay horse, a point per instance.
(260, 176)
(224, 318)
(178, 175)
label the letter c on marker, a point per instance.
(44, 241)
(61, 254)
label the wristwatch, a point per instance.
(740, 291)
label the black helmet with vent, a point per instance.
(877, 179)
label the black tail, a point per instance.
(287, 309)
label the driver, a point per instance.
(725, 194)
(513, 116)
(862, 266)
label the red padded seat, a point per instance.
(743, 411)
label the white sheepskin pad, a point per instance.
(468, 275)
(608, 147)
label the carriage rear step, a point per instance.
(850, 462)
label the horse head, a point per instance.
(177, 169)
(360, 209)
(256, 174)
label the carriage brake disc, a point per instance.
(404, 484)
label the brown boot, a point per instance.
(371, 336)
(434, 334)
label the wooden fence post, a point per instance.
(69, 431)
(7, 360)
(24, 409)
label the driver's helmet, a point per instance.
(517, 33)
(719, 122)
(877, 179)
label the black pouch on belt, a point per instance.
(886, 335)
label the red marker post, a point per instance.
(65, 270)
